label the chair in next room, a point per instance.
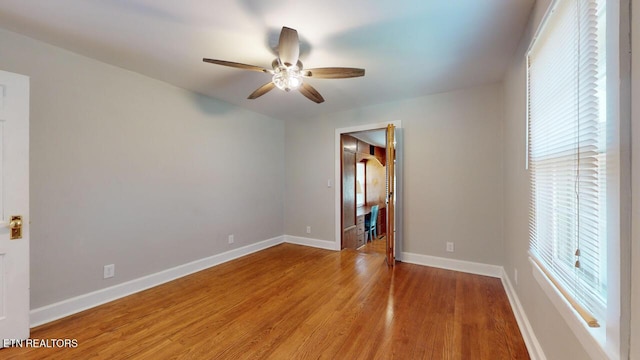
(370, 224)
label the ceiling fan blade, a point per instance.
(262, 90)
(333, 73)
(288, 46)
(311, 93)
(236, 65)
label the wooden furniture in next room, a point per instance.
(355, 151)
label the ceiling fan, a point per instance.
(288, 72)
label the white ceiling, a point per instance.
(409, 48)
(373, 137)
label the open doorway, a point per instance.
(364, 190)
(364, 216)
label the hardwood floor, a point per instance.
(295, 302)
(377, 246)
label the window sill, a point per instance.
(593, 339)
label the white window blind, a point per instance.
(567, 157)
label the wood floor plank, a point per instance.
(295, 302)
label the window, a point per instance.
(567, 157)
(360, 184)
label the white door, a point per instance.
(14, 201)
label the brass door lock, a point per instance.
(15, 224)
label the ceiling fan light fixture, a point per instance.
(287, 78)
(288, 70)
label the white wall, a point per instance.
(453, 172)
(131, 171)
(557, 340)
(635, 181)
(551, 330)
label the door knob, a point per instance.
(15, 224)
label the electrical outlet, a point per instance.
(515, 275)
(449, 246)
(109, 271)
(308, 229)
(231, 239)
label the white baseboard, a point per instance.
(322, 244)
(452, 264)
(530, 339)
(80, 303)
(83, 302)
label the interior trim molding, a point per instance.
(592, 339)
(321, 244)
(83, 302)
(338, 178)
(530, 339)
(48, 313)
(453, 264)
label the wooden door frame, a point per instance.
(338, 180)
